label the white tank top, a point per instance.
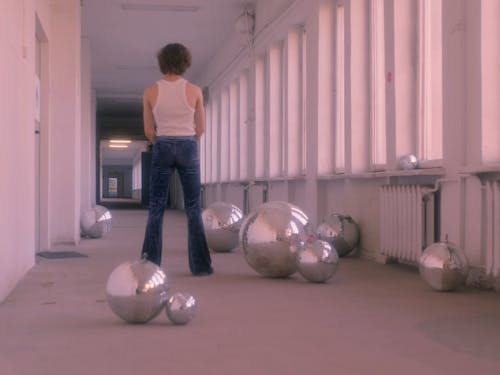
(172, 112)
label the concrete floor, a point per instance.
(369, 319)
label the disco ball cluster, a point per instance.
(137, 292)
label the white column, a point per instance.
(65, 125)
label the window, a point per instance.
(295, 99)
(224, 134)
(377, 113)
(326, 125)
(275, 110)
(233, 131)
(430, 81)
(260, 100)
(214, 136)
(340, 91)
(242, 123)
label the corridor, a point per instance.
(369, 319)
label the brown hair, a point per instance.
(174, 58)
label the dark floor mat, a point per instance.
(61, 254)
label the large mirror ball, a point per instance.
(222, 221)
(136, 291)
(270, 237)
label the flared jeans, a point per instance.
(181, 154)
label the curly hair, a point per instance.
(174, 58)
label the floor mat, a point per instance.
(61, 254)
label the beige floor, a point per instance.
(369, 319)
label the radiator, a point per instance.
(492, 227)
(406, 221)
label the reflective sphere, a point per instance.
(136, 291)
(444, 266)
(270, 237)
(340, 231)
(222, 222)
(95, 222)
(408, 161)
(317, 261)
(181, 308)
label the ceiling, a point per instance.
(124, 37)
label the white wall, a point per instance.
(59, 157)
(470, 87)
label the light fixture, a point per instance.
(245, 23)
(122, 141)
(118, 146)
(159, 7)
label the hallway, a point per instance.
(369, 319)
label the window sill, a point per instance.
(480, 169)
(401, 173)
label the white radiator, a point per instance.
(406, 221)
(492, 227)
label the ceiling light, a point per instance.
(118, 146)
(159, 7)
(120, 141)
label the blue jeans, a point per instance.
(181, 153)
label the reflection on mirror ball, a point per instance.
(408, 162)
(95, 222)
(317, 261)
(181, 308)
(270, 237)
(136, 291)
(340, 231)
(444, 266)
(222, 221)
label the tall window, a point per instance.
(275, 110)
(224, 134)
(260, 107)
(377, 114)
(326, 125)
(340, 90)
(214, 136)
(234, 129)
(243, 122)
(295, 100)
(430, 80)
(490, 82)
(205, 147)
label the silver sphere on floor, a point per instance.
(95, 222)
(341, 232)
(408, 162)
(270, 237)
(444, 266)
(317, 261)
(222, 221)
(181, 308)
(136, 291)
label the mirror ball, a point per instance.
(270, 237)
(136, 291)
(317, 261)
(444, 266)
(181, 308)
(222, 221)
(340, 231)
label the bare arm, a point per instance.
(147, 113)
(199, 116)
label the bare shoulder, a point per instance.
(150, 94)
(192, 88)
(150, 90)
